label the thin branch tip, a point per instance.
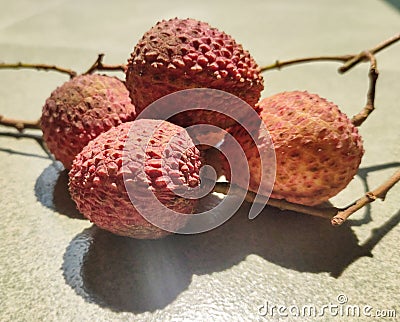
(336, 221)
(369, 197)
(19, 125)
(20, 65)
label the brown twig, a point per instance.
(362, 57)
(20, 125)
(349, 61)
(373, 74)
(45, 67)
(279, 64)
(324, 212)
(99, 65)
(369, 197)
(337, 215)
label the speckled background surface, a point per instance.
(55, 266)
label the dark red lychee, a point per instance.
(185, 53)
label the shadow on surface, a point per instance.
(394, 3)
(51, 189)
(145, 275)
(25, 154)
(37, 138)
(130, 275)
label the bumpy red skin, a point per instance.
(81, 109)
(185, 53)
(318, 149)
(98, 172)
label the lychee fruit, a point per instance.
(318, 150)
(185, 53)
(81, 109)
(153, 155)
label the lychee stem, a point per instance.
(361, 56)
(369, 197)
(373, 74)
(324, 212)
(349, 61)
(46, 67)
(337, 215)
(20, 125)
(279, 64)
(100, 66)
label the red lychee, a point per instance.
(81, 109)
(141, 154)
(318, 149)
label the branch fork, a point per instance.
(98, 65)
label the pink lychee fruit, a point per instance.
(182, 54)
(138, 153)
(318, 150)
(81, 109)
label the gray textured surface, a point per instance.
(54, 266)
